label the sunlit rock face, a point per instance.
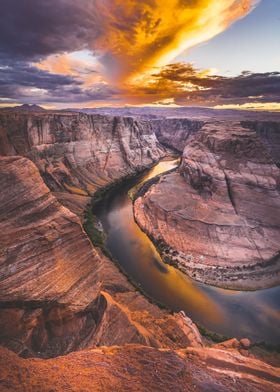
(78, 153)
(137, 368)
(220, 210)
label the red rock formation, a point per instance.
(138, 368)
(220, 210)
(58, 294)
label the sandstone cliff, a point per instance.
(175, 132)
(220, 211)
(78, 153)
(57, 293)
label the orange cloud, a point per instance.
(131, 37)
(71, 65)
(137, 36)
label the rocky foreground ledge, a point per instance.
(218, 216)
(138, 368)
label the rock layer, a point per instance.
(57, 293)
(220, 211)
(77, 153)
(175, 132)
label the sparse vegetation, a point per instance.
(267, 347)
(96, 236)
(213, 336)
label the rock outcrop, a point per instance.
(219, 213)
(78, 153)
(138, 368)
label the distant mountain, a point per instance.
(26, 108)
(202, 113)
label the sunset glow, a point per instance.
(117, 53)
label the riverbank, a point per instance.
(246, 278)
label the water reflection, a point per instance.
(232, 313)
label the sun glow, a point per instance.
(134, 37)
(140, 36)
(257, 106)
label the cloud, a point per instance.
(136, 36)
(129, 36)
(187, 85)
(117, 50)
(81, 65)
(32, 29)
(20, 81)
(174, 84)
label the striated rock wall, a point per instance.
(220, 211)
(175, 132)
(57, 293)
(269, 133)
(78, 153)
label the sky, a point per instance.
(65, 53)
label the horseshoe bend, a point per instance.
(182, 293)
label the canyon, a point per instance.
(61, 295)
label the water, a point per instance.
(232, 313)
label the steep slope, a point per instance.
(57, 293)
(175, 132)
(219, 212)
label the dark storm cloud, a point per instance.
(33, 28)
(20, 81)
(30, 30)
(25, 75)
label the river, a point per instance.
(252, 314)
